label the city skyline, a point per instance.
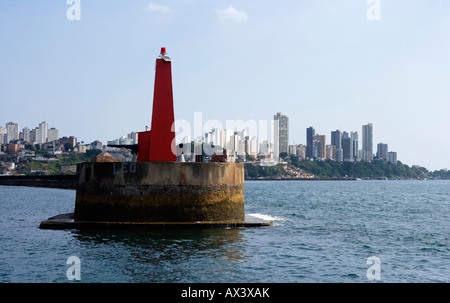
(343, 145)
(269, 136)
(93, 77)
(39, 134)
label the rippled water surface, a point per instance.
(324, 232)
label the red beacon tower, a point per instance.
(158, 144)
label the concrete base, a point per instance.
(158, 195)
(67, 221)
(160, 192)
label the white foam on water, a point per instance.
(268, 217)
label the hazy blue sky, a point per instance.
(323, 63)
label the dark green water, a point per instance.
(324, 231)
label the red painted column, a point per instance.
(158, 144)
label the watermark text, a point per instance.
(374, 271)
(74, 11)
(74, 271)
(374, 11)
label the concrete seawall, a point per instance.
(51, 181)
(160, 192)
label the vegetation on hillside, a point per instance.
(61, 165)
(291, 168)
(333, 169)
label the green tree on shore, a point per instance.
(333, 169)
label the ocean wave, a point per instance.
(268, 217)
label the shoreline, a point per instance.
(71, 181)
(306, 179)
(48, 181)
(339, 179)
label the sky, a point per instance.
(88, 70)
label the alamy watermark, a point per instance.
(373, 13)
(74, 271)
(374, 271)
(74, 11)
(228, 136)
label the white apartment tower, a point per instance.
(43, 132)
(12, 131)
(26, 134)
(52, 134)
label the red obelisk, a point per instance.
(158, 144)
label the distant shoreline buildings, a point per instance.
(237, 144)
(344, 146)
(12, 140)
(38, 135)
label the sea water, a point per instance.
(324, 231)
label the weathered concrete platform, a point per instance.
(67, 221)
(158, 195)
(160, 192)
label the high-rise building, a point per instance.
(12, 131)
(392, 157)
(265, 148)
(34, 135)
(367, 139)
(253, 147)
(339, 154)
(214, 138)
(315, 149)
(229, 144)
(133, 136)
(292, 150)
(52, 134)
(281, 134)
(354, 136)
(237, 143)
(43, 132)
(301, 151)
(310, 133)
(347, 148)
(344, 135)
(336, 138)
(26, 134)
(3, 135)
(321, 146)
(331, 152)
(223, 138)
(382, 151)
